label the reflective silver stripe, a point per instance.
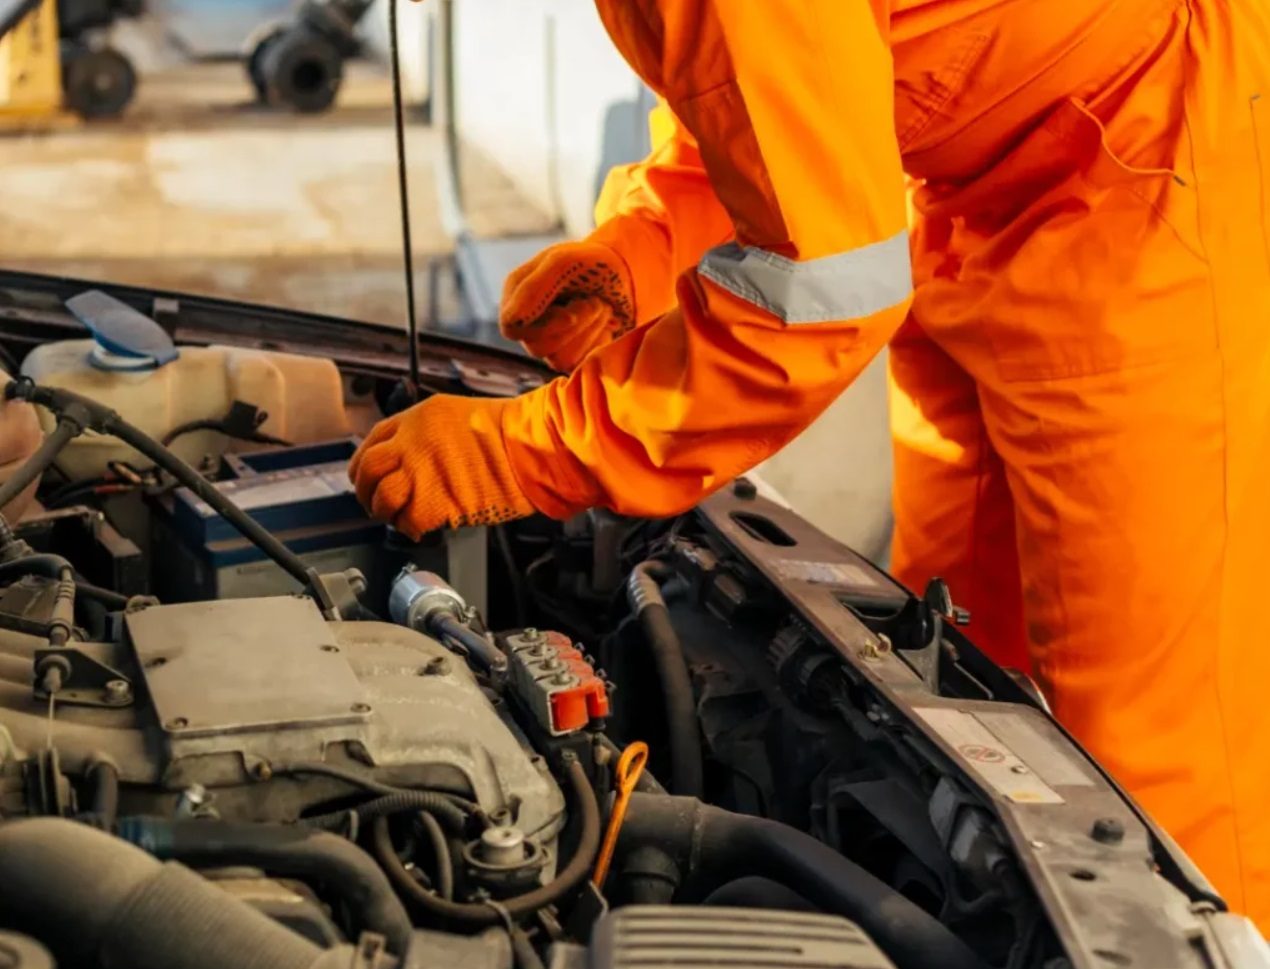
(844, 286)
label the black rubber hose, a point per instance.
(96, 900)
(40, 461)
(105, 781)
(443, 858)
(755, 892)
(107, 597)
(62, 613)
(487, 655)
(247, 526)
(474, 915)
(686, 768)
(438, 806)
(219, 426)
(107, 421)
(715, 846)
(357, 779)
(286, 850)
(51, 567)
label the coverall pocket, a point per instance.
(1105, 273)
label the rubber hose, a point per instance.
(105, 780)
(107, 421)
(473, 915)
(755, 892)
(107, 597)
(100, 901)
(286, 850)
(478, 647)
(40, 461)
(357, 779)
(683, 732)
(51, 566)
(62, 614)
(247, 526)
(441, 855)
(717, 846)
(437, 805)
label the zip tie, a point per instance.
(630, 766)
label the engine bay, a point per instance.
(242, 725)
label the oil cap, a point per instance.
(125, 339)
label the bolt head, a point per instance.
(1020, 769)
(178, 723)
(745, 489)
(1107, 831)
(262, 771)
(118, 690)
(361, 708)
(330, 649)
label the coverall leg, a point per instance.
(954, 517)
(1106, 287)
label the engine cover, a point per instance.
(243, 691)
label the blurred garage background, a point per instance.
(516, 109)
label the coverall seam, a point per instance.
(956, 83)
(763, 176)
(1133, 190)
(1200, 196)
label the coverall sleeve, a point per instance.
(791, 105)
(661, 214)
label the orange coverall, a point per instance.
(1080, 360)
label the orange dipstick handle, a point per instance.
(629, 768)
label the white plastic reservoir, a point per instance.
(303, 397)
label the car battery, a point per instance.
(304, 497)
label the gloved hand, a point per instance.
(442, 462)
(568, 300)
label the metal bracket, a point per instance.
(89, 674)
(938, 609)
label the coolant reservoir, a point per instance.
(303, 397)
(20, 437)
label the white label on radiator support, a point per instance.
(989, 757)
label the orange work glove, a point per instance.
(568, 300)
(442, 462)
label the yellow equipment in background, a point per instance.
(31, 65)
(48, 76)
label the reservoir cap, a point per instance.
(126, 339)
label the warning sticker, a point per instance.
(984, 755)
(988, 757)
(826, 573)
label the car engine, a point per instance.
(241, 726)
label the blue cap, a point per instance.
(127, 339)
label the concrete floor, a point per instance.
(199, 190)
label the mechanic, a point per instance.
(1079, 330)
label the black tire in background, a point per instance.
(97, 82)
(259, 46)
(302, 70)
